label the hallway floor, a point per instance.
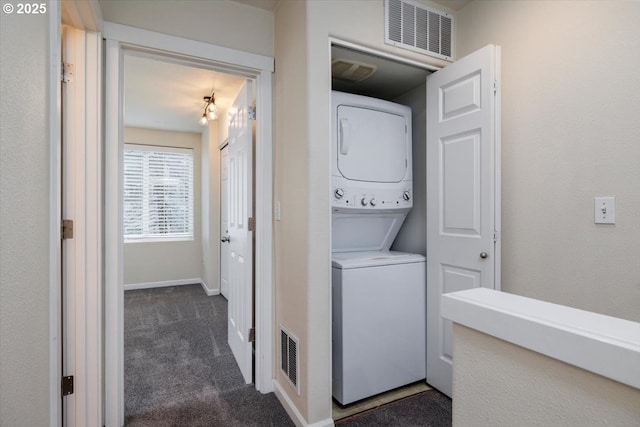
(180, 372)
(179, 369)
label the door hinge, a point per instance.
(495, 237)
(67, 229)
(67, 385)
(252, 224)
(252, 113)
(66, 72)
(252, 335)
(495, 87)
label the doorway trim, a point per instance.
(121, 38)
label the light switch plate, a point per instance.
(276, 211)
(605, 210)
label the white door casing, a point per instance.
(240, 307)
(224, 221)
(82, 203)
(119, 39)
(463, 204)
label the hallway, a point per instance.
(179, 369)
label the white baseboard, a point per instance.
(209, 292)
(293, 412)
(179, 282)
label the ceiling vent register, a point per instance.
(415, 27)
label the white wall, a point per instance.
(291, 151)
(223, 23)
(412, 237)
(570, 131)
(24, 220)
(211, 207)
(145, 262)
(496, 384)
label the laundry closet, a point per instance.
(378, 224)
(401, 241)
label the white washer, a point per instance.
(379, 301)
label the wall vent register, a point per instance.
(415, 27)
(289, 356)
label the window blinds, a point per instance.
(158, 193)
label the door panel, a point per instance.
(460, 166)
(462, 205)
(240, 237)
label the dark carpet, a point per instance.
(179, 369)
(426, 409)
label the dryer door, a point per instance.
(372, 145)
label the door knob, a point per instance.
(483, 255)
(225, 239)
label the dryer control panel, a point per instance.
(371, 199)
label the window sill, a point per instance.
(164, 240)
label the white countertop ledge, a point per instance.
(605, 345)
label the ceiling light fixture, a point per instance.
(210, 110)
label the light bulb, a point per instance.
(203, 120)
(211, 107)
(211, 115)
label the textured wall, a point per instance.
(211, 207)
(291, 154)
(498, 384)
(24, 220)
(159, 261)
(223, 23)
(413, 234)
(570, 131)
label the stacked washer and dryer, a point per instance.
(378, 295)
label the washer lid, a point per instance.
(347, 260)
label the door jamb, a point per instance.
(120, 38)
(86, 368)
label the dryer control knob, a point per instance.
(338, 193)
(406, 195)
(373, 202)
(364, 201)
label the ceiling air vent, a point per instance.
(352, 71)
(412, 26)
(289, 360)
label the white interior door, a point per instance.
(225, 253)
(240, 236)
(462, 198)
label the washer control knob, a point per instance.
(373, 202)
(364, 201)
(406, 195)
(338, 193)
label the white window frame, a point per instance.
(146, 236)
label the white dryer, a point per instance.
(372, 176)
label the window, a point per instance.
(158, 193)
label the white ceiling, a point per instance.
(390, 80)
(166, 95)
